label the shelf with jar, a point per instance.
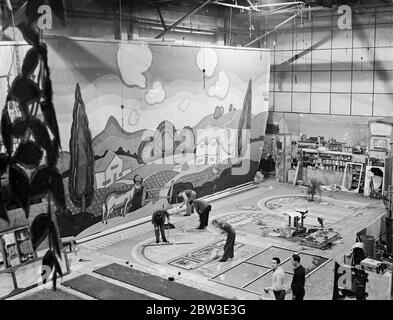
(16, 247)
(25, 245)
(325, 160)
(20, 266)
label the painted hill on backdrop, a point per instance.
(231, 120)
(114, 137)
(227, 120)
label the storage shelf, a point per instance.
(328, 160)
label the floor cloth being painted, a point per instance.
(192, 257)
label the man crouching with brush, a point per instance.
(158, 220)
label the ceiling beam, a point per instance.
(161, 17)
(183, 18)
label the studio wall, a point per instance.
(320, 68)
(352, 131)
(327, 81)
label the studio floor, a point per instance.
(105, 267)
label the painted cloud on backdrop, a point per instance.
(207, 59)
(220, 88)
(183, 106)
(134, 117)
(156, 94)
(132, 61)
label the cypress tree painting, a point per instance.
(244, 127)
(81, 181)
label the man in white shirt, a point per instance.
(187, 196)
(277, 280)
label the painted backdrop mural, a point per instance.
(141, 122)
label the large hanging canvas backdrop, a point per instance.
(141, 122)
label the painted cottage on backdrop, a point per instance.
(111, 168)
(129, 164)
(108, 169)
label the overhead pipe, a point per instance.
(275, 4)
(232, 5)
(283, 9)
(250, 3)
(274, 29)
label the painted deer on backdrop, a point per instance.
(120, 199)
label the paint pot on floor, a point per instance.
(179, 273)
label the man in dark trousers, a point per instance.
(158, 220)
(298, 280)
(203, 208)
(230, 242)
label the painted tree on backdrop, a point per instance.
(81, 181)
(167, 141)
(243, 135)
(31, 154)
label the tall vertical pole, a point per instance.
(122, 117)
(391, 282)
(389, 222)
(284, 158)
